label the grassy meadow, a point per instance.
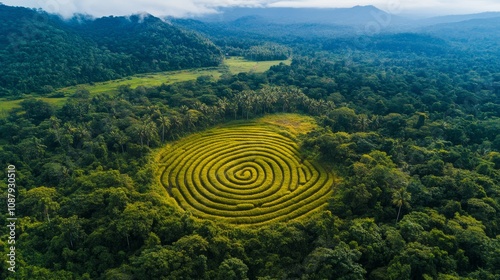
(238, 65)
(149, 80)
(233, 65)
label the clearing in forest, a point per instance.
(238, 64)
(248, 173)
(234, 65)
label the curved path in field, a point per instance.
(245, 174)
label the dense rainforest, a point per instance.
(40, 52)
(409, 122)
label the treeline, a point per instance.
(413, 43)
(413, 138)
(40, 52)
(268, 52)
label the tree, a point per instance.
(269, 98)
(338, 263)
(37, 110)
(72, 230)
(168, 263)
(40, 202)
(119, 137)
(31, 148)
(136, 220)
(342, 119)
(232, 269)
(399, 198)
(191, 117)
(164, 125)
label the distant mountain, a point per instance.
(475, 33)
(355, 16)
(258, 28)
(290, 24)
(39, 51)
(457, 18)
(363, 18)
(467, 28)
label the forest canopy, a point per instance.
(407, 127)
(40, 52)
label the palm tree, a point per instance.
(245, 101)
(148, 130)
(55, 128)
(164, 124)
(269, 98)
(233, 107)
(176, 125)
(119, 137)
(191, 117)
(363, 122)
(223, 104)
(399, 198)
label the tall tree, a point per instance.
(399, 198)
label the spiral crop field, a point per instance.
(243, 174)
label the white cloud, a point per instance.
(186, 7)
(452, 7)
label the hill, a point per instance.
(475, 35)
(39, 51)
(457, 18)
(468, 29)
(355, 16)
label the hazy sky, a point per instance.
(186, 7)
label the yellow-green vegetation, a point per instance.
(234, 64)
(148, 80)
(294, 123)
(245, 173)
(7, 105)
(239, 64)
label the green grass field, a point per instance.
(234, 65)
(7, 105)
(293, 123)
(149, 80)
(245, 173)
(238, 65)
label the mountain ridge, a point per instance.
(40, 50)
(357, 15)
(458, 18)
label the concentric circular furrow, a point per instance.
(244, 175)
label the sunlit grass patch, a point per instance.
(293, 123)
(147, 80)
(239, 64)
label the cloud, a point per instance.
(397, 6)
(192, 7)
(114, 7)
(451, 7)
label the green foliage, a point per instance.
(337, 263)
(410, 132)
(232, 269)
(268, 52)
(41, 52)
